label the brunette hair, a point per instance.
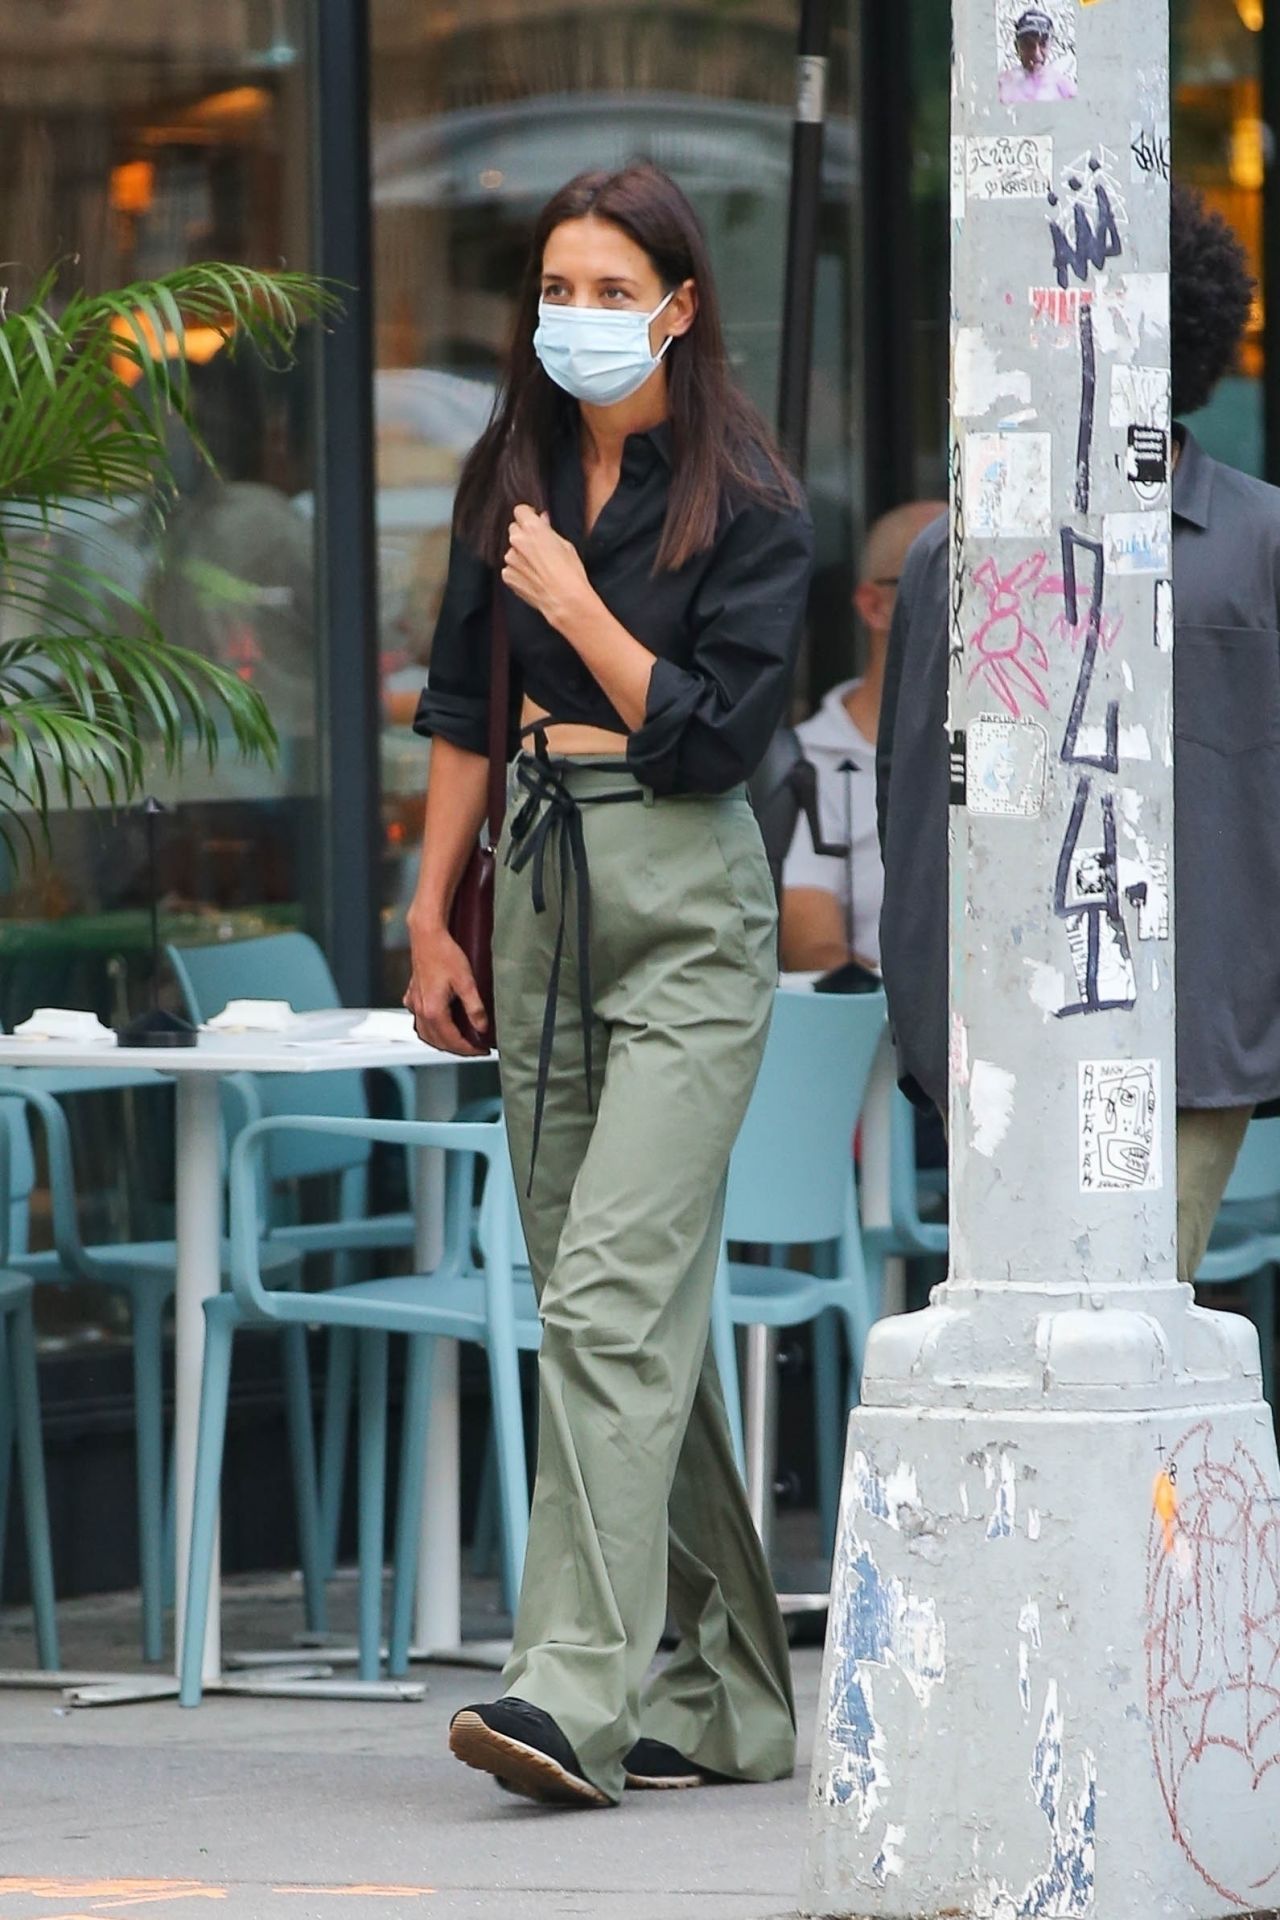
(719, 440)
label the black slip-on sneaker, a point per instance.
(526, 1752)
(653, 1765)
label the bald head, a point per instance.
(888, 543)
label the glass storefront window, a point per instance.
(139, 139)
(478, 116)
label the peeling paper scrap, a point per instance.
(991, 1091)
(1164, 616)
(1137, 543)
(887, 1864)
(1005, 767)
(884, 1496)
(1007, 490)
(1140, 396)
(1000, 1473)
(875, 1623)
(979, 383)
(1048, 988)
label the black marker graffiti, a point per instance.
(1151, 153)
(957, 555)
(1091, 245)
(1087, 897)
(1088, 400)
(1108, 761)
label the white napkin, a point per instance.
(386, 1023)
(65, 1023)
(253, 1016)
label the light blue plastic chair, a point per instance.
(1245, 1243)
(455, 1302)
(290, 966)
(142, 1272)
(791, 1186)
(20, 1429)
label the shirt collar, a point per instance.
(1192, 480)
(655, 442)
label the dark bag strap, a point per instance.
(499, 714)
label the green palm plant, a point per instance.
(90, 687)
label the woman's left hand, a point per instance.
(543, 569)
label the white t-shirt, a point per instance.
(847, 810)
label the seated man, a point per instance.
(1226, 566)
(831, 903)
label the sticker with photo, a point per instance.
(1036, 51)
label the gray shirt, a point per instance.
(1226, 562)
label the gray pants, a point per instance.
(638, 1501)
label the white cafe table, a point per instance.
(316, 1043)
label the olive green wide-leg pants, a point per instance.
(638, 1499)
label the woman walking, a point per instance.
(627, 513)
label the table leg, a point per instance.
(199, 1264)
(438, 1616)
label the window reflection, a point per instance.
(136, 140)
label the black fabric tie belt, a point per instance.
(552, 813)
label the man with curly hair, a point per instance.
(1226, 565)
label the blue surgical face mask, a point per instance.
(597, 354)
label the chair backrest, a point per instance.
(789, 1177)
(22, 1169)
(500, 1193)
(1257, 1170)
(910, 1234)
(280, 966)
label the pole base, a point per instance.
(1052, 1680)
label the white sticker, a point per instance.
(1164, 616)
(1120, 1126)
(1144, 882)
(1132, 311)
(1137, 543)
(1107, 978)
(1009, 167)
(1007, 491)
(1006, 761)
(1140, 396)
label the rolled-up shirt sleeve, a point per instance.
(455, 701)
(707, 723)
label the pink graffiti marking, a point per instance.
(1012, 659)
(1213, 1657)
(1011, 655)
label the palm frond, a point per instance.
(88, 385)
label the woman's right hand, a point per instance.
(442, 974)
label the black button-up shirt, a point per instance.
(1226, 777)
(724, 628)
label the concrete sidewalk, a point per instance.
(316, 1810)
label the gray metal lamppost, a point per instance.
(1052, 1683)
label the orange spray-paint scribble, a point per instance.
(1165, 1500)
